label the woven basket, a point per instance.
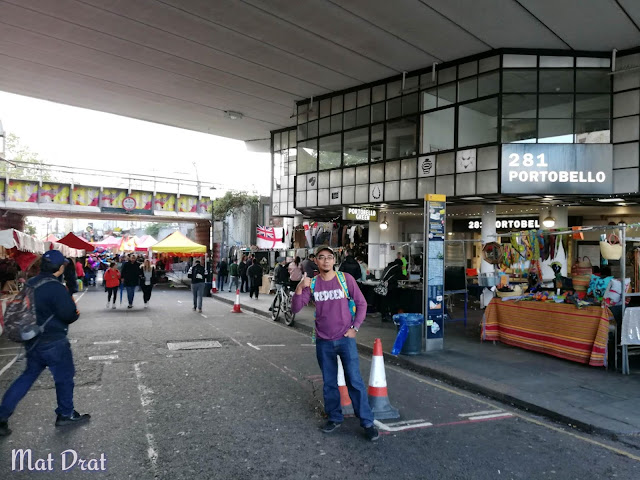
(581, 282)
(611, 249)
(517, 291)
(581, 267)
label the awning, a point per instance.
(74, 241)
(144, 243)
(180, 246)
(12, 238)
(108, 242)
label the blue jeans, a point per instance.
(55, 355)
(221, 279)
(198, 292)
(130, 293)
(327, 352)
(233, 281)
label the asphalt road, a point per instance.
(251, 407)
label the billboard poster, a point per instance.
(112, 198)
(22, 191)
(143, 200)
(55, 193)
(165, 202)
(188, 203)
(434, 276)
(204, 205)
(2, 195)
(86, 196)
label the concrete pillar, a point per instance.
(488, 233)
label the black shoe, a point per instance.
(371, 433)
(4, 429)
(330, 426)
(130, 306)
(74, 419)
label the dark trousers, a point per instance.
(131, 291)
(112, 291)
(254, 290)
(244, 284)
(146, 292)
(55, 355)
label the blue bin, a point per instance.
(409, 339)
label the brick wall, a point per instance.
(11, 220)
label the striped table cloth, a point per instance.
(557, 329)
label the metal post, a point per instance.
(623, 273)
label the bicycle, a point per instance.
(282, 302)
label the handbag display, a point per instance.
(611, 248)
(582, 267)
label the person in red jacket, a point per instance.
(112, 282)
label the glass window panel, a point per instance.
(323, 196)
(445, 163)
(336, 104)
(391, 171)
(467, 89)
(349, 119)
(625, 155)
(302, 114)
(519, 130)
(410, 104)
(301, 182)
(478, 122)
(555, 131)
(313, 111)
(302, 132)
(394, 107)
(408, 190)
(323, 180)
(447, 75)
(284, 142)
(336, 123)
(307, 156)
(555, 106)
(350, 101)
(292, 138)
(593, 131)
(356, 146)
(488, 84)
(408, 168)
(325, 126)
(378, 93)
(348, 195)
(402, 138)
(593, 81)
(519, 61)
(301, 199)
(330, 152)
(427, 80)
(377, 112)
(362, 193)
(426, 185)
(593, 106)
(519, 106)
(625, 129)
(312, 198)
(446, 94)
(362, 175)
(394, 89)
(276, 142)
(325, 107)
(587, 62)
(376, 173)
(556, 62)
(429, 99)
(377, 142)
(335, 178)
(312, 129)
(467, 69)
(626, 103)
(466, 184)
(364, 97)
(490, 63)
(487, 182)
(292, 165)
(411, 82)
(487, 158)
(445, 185)
(363, 116)
(437, 130)
(558, 80)
(392, 191)
(519, 80)
(349, 176)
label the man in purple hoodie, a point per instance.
(336, 333)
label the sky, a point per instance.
(71, 136)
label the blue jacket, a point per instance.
(53, 298)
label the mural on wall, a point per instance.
(2, 196)
(204, 206)
(55, 193)
(22, 191)
(112, 197)
(165, 202)
(86, 196)
(143, 200)
(188, 203)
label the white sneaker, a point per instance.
(146, 306)
(114, 307)
(107, 304)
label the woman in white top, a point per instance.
(147, 281)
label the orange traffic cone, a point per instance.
(236, 305)
(377, 391)
(345, 399)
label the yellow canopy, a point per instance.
(180, 246)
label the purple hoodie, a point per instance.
(333, 318)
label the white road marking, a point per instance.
(80, 297)
(387, 428)
(405, 422)
(234, 340)
(7, 354)
(179, 301)
(475, 414)
(10, 348)
(104, 357)
(495, 415)
(270, 345)
(203, 315)
(308, 345)
(252, 346)
(107, 342)
(147, 401)
(8, 365)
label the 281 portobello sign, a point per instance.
(557, 169)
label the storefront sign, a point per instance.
(360, 214)
(557, 169)
(501, 224)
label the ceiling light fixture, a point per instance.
(233, 115)
(384, 224)
(549, 221)
(605, 200)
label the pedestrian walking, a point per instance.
(336, 329)
(234, 275)
(242, 271)
(111, 283)
(147, 281)
(131, 278)
(309, 266)
(255, 276)
(223, 271)
(55, 310)
(197, 274)
(70, 277)
(351, 266)
(295, 273)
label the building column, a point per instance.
(488, 233)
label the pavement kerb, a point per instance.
(456, 378)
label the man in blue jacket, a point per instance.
(49, 349)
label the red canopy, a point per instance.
(73, 241)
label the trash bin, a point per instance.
(409, 339)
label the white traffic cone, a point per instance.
(345, 399)
(377, 391)
(236, 304)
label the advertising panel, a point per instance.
(112, 198)
(86, 196)
(55, 193)
(436, 212)
(165, 202)
(188, 203)
(22, 191)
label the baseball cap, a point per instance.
(55, 257)
(324, 247)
